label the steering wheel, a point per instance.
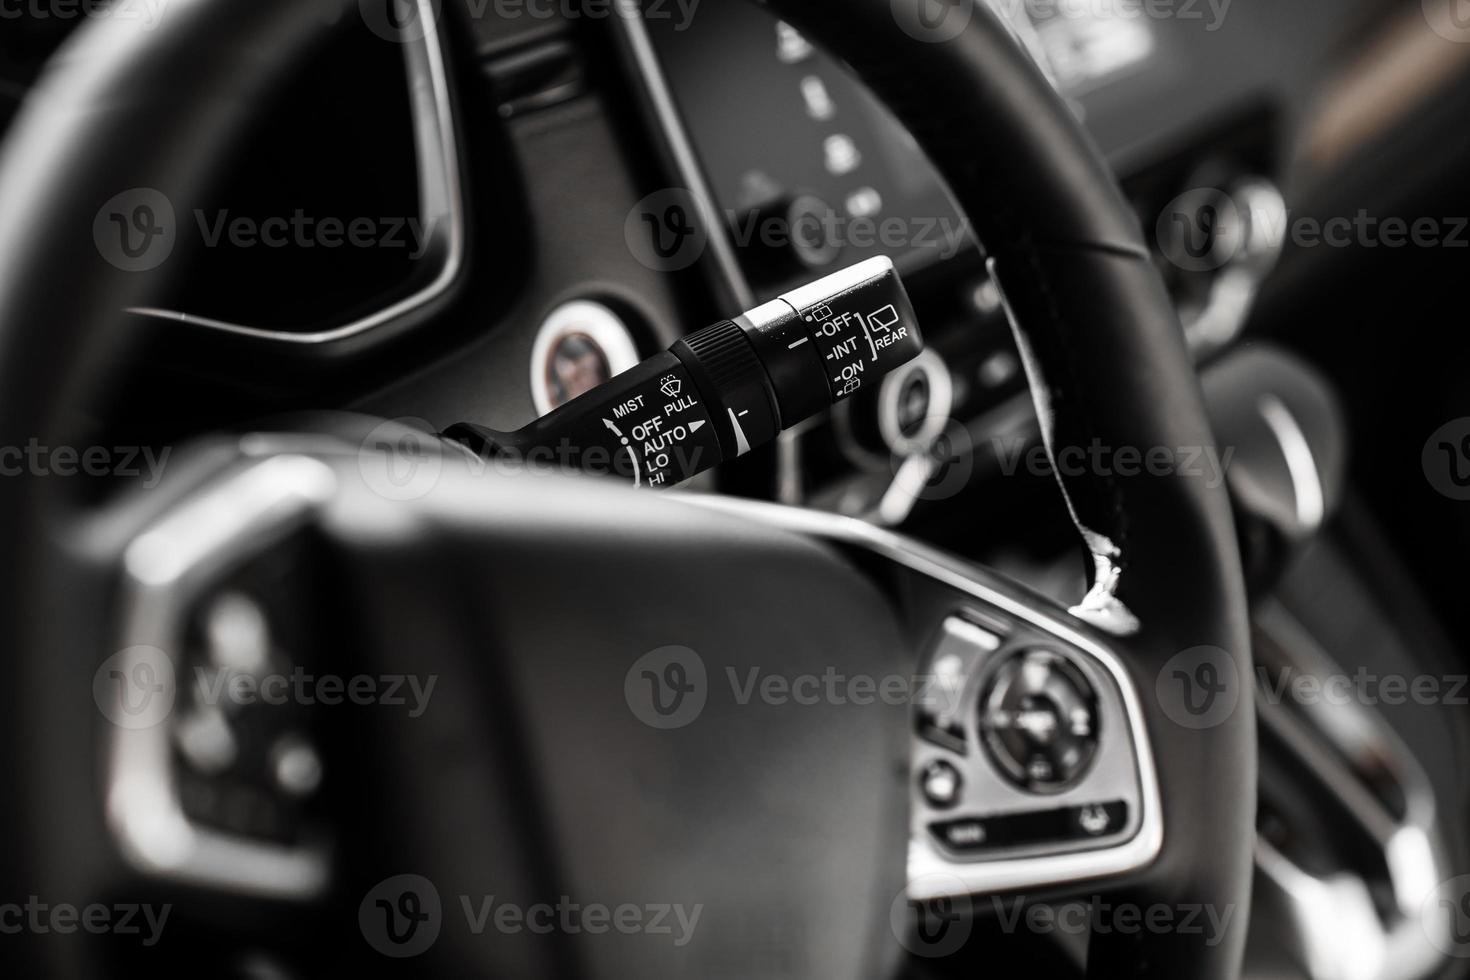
(550, 610)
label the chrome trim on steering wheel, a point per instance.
(166, 568)
(930, 874)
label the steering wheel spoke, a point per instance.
(1031, 766)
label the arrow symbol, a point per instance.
(695, 426)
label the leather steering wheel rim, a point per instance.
(1108, 366)
(1099, 337)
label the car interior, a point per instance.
(757, 489)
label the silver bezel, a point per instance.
(931, 874)
(441, 203)
(164, 570)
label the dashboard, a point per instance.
(799, 170)
(569, 195)
(572, 194)
(728, 129)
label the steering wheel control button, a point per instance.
(1099, 819)
(727, 389)
(939, 704)
(296, 766)
(1033, 829)
(1038, 720)
(942, 784)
